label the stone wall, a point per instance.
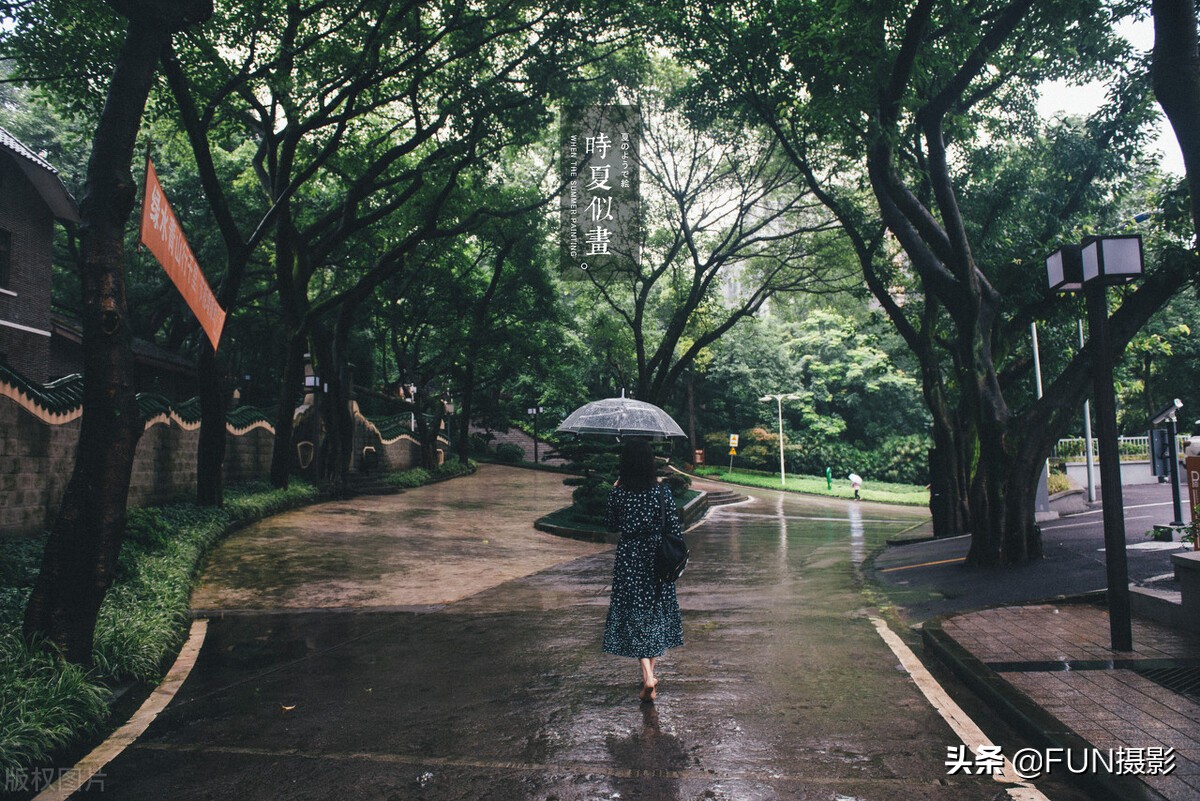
(384, 450)
(35, 463)
(37, 456)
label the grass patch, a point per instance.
(45, 704)
(903, 494)
(417, 476)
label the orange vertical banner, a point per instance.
(160, 232)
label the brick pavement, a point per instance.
(1058, 657)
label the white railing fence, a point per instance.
(1072, 449)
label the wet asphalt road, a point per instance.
(783, 689)
(929, 579)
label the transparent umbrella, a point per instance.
(621, 417)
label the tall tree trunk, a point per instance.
(948, 498)
(428, 429)
(282, 456)
(467, 407)
(81, 552)
(210, 451)
(339, 412)
(1176, 76)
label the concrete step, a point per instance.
(723, 497)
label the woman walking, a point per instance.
(643, 613)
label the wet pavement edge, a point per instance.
(1037, 725)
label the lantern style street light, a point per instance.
(535, 412)
(1094, 265)
(779, 399)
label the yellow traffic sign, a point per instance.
(733, 451)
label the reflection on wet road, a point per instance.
(783, 689)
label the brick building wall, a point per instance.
(25, 296)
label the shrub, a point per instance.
(590, 499)
(1057, 482)
(408, 479)
(678, 483)
(510, 453)
(455, 467)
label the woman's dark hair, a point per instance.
(636, 471)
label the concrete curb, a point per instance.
(1037, 725)
(81, 776)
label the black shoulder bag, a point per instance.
(672, 556)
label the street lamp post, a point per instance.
(1094, 265)
(779, 399)
(536, 412)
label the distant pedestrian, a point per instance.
(643, 613)
(856, 484)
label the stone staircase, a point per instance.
(523, 441)
(721, 497)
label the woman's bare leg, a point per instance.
(648, 680)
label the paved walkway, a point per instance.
(431, 547)
(465, 683)
(1051, 668)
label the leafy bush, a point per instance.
(419, 476)
(902, 460)
(408, 479)
(510, 453)
(678, 483)
(596, 463)
(1057, 482)
(454, 467)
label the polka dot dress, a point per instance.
(643, 614)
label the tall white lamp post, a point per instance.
(779, 399)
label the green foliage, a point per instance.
(453, 468)
(1057, 482)
(408, 479)
(596, 461)
(45, 703)
(903, 459)
(418, 476)
(903, 494)
(679, 484)
(508, 452)
(842, 368)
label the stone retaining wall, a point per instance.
(37, 457)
